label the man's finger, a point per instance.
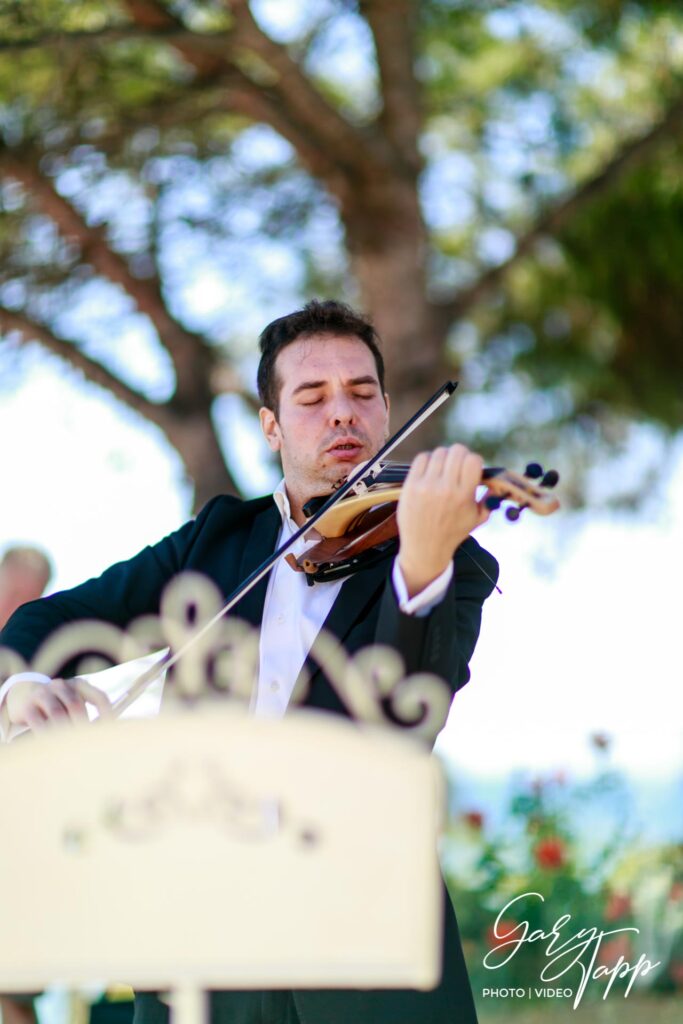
(470, 470)
(34, 719)
(93, 696)
(71, 699)
(454, 462)
(437, 459)
(50, 705)
(419, 465)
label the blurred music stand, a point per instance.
(208, 850)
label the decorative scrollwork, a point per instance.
(192, 794)
(224, 660)
(374, 688)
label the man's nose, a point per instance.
(341, 410)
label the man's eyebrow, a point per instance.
(310, 385)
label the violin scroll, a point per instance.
(522, 490)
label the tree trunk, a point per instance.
(388, 246)
(193, 435)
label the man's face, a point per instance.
(332, 414)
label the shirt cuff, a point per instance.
(420, 604)
(7, 730)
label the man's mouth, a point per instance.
(344, 448)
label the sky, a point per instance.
(582, 640)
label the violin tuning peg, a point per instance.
(533, 470)
(550, 478)
(493, 502)
(513, 513)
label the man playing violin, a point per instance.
(325, 410)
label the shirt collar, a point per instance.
(281, 499)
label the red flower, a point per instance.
(475, 819)
(610, 951)
(550, 853)
(618, 905)
(676, 892)
(505, 930)
(676, 972)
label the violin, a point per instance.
(362, 528)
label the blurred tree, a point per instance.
(497, 184)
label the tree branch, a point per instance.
(355, 153)
(303, 106)
(272, 90)
(231, 91)
(30, 330)
(393, 26)
(293, 105)
(264, 105)
(552, 221)
(217, 43)
(191, 356)
(154, 17)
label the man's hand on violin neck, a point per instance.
(437, 511)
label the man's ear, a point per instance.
(270, 428)
(387, 432)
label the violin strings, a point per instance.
(482, 569)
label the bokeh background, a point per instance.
(499, 185)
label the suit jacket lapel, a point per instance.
(353, 601)
(260, 543)
(356, 593)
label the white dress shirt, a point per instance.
(293, 615)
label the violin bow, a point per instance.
(139, 685)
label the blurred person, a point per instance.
(324, 410)
(24, 574)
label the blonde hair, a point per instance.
(28, 559)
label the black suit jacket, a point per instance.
(226, 541)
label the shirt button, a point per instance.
(280, 618)
(274, 685)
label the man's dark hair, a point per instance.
(328, 317)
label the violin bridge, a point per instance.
(361, 486)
